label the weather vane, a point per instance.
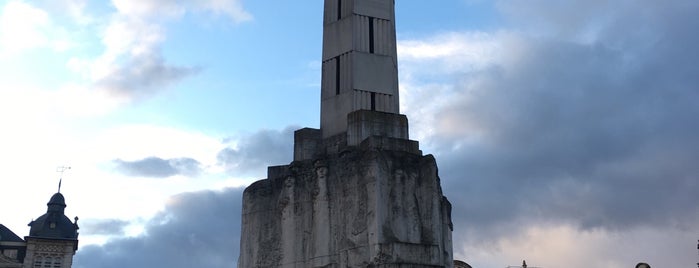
(61, 169)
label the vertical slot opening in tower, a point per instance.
(337, 75)
(371, 35)
(339, 9)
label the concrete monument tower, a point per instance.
(359, 193)
(359, 62)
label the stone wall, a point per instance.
(360, 207)
(49, 252)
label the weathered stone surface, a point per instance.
(307, 143)
(365, 123)
(358, 208)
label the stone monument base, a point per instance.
(377, 204)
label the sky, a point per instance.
(565, 131)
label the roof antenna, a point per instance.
(61, 169)
(524, 265)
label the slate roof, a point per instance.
(6, 235)
(54, 224)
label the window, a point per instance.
(38, 261)
(57, 262)
(373, 101)
(10, 253)
(47, 262)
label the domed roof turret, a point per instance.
(57, 203)
(54, 224)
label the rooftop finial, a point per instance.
(61, 169)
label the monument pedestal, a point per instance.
(362, 206)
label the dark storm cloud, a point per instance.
(259, 150)
(199, 229)
(598, 133)
(156, 167)
(103, 227)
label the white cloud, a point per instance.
(231, 8)
(431, 67)
(144, 8)
(34, 150)
(77, 101)
(74, 10)
(132, 65)
(51, 125)
(453, 51)
(22, 27)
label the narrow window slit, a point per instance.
(337, 75)
(371, 35)
(373, 101)
(339, 9)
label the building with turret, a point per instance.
(51, 243)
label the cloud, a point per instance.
(38, 25)
(560, 125)
(583, 124)
(233, 9)
(156, 167)
(132, 66)
(22, 27)
(103, 227)
(148, 8)
(197, 229)
(546, 245)
(75, 10)
(257, 151)
(141, 76)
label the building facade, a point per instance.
(51, 243)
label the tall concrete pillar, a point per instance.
(360, 69)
